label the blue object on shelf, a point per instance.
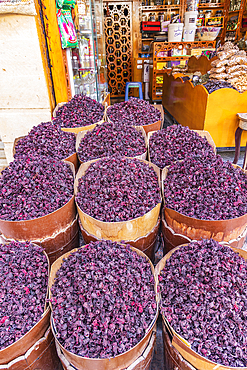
(133, 84)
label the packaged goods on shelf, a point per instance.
(230, 65)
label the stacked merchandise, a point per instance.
(203, 303)
(37, 204)
(104, 296)
(231, 66)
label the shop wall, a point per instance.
(24, 95)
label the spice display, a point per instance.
(23, 281)
(213, 85)
(231, 66)
(118, 189)
(135, 112)
(46, 139)
(34, 187)
(177, 142)
(206, 190)
(110, 139)
(204, 298)
(103, 300)
(79, 111)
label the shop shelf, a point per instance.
(213, 6)
(159, 8)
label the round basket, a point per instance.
(196, 229)
(81, 135)
(75, 130)
(119, 362)
(178, 342)
(118, 231)
(22, 345)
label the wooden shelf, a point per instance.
(233, 12)
(213, 6)
(174, 58)
(159, 7)
(148, 39)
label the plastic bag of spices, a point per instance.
(219, 76)
(237, 74)
(237, 67)
(217, 70)
(226, 54)
(227, 45)
(241, 53)
(233, 80)
(218, 63)
(237, 60)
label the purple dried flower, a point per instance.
(177, 142)
(103, 300)
(204, 298)
(110, 139)
(79, 111)
(118, 189)
(34, 187)
(46, 139)
(23, 282)
(134, 112)
(206, 190)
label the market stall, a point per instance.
(202, 108)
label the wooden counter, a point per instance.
(194, 107)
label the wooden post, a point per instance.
(55, 51)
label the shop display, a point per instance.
(175, 32)
(192, 5)
(80, 111)
(109, 290)
(241, 83)
(110, 139)
(66, 29)
(214, 85)
(46, 139)
(34, 187)
(24, 281)
(206, 190)
(87, 62)
(207, 33)
(230, 65)
(120, 50)
(136, 112)
(177, 142)
(118, 189)
(203, 298)
(168, 57)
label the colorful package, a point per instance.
(62, 3)
(66, 29)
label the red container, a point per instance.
(151, 26)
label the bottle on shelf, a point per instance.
(76, 74)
